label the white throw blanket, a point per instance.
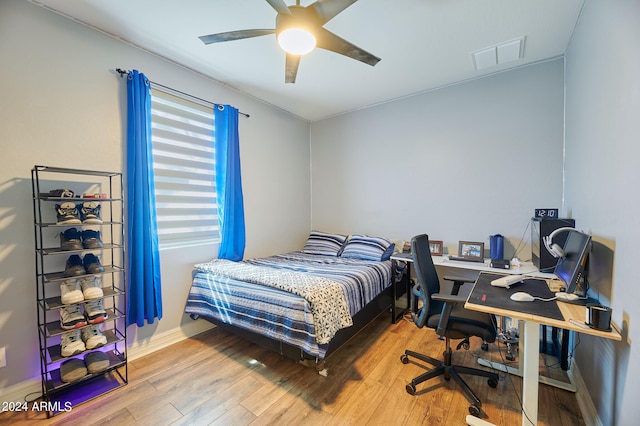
(325, 297)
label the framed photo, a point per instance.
(472, 250)
(435, 247)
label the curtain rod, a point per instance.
(123, 72)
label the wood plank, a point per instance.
(219, 378)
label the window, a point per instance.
(184, 168)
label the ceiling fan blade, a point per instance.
(234, 35)
(329, 41)
(280, 6)
(291, 68)
(327, 9)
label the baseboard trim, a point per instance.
(585, 403)
(32, 388)
(161, 341)
(19, 392)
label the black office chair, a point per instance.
(446, 314)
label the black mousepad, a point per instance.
(498, 297)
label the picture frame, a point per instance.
(435, 247)
(471, 250)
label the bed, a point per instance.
(303, 304)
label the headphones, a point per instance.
(555, 249)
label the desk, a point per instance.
(526, 268)
(530, 352)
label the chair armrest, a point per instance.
(450, 300)
(457, 282)
(461, 280)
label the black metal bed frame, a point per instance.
(383, 302)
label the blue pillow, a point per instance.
(324, 243)
(364, 247)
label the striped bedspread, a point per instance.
(271, 310)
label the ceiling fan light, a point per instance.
(296, 41)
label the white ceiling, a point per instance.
(424, 44)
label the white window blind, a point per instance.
(184, 168)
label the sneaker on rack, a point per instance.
(96, 361)
(70, 240)
(70, 292)
(74, 267)
(93, 337)
(91, 288)
(67, 214)
(71, 317)
(60, 193)
(92, 264)
(94, 311)
(72, 370)
(71, 343)
(90, 212)
(91, 239)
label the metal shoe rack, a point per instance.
(50, 260)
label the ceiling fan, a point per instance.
(299, 30)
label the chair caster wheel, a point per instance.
(474, 411)
(493, 383)
(411, 389)
(484, 347)
(464, 344)
(404, 359)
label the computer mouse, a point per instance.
(522, 296)
(567, 297)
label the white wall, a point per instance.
(602, 173)
(62, 104)
(460, 163)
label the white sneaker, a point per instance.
(94, 311)
(70, 292)
(71, 343)
(71, 317)
(90, 212)
(67, 214)
(91, 288)
(93, 337)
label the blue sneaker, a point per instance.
(92, 264)
(67, 214)
(90, 212)
(74, 267)
(70, 240)
(91, 239)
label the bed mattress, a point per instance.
(279, 314)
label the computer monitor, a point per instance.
(570, 268)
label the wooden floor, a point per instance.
(218, 379)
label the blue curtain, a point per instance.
(229, 183)
(143, 256)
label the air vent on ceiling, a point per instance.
(499, 54)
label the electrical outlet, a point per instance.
(3, 357)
